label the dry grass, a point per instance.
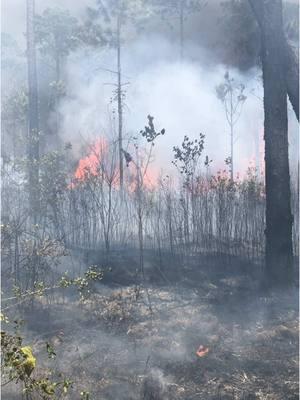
(117, 348)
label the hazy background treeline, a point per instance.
(173, 55)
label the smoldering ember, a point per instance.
(150, 200)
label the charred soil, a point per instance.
(203, 336)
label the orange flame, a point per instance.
(150, 178)
(89, 165)
(202, 351)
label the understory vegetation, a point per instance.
(149, 221)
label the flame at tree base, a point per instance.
(99, 163)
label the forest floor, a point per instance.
(127, 342)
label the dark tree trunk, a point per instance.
(292, 77)
(278, 208)
(291, 60)
(33, 119)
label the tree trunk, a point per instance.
(278, 208)
(291, 60)
(33, 119)
(292, 77)
(181, 28)
(120, 108)
(231, 138)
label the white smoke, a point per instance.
(180, 95)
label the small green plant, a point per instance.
(19, 364)
(187, 156)
(85, 395)
(83, 284)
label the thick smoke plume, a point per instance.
(180, 95)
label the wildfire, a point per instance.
(89, 165)
(150, 178)
(202, 351)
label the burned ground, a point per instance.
(140, 342)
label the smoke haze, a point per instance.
(181, 97)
